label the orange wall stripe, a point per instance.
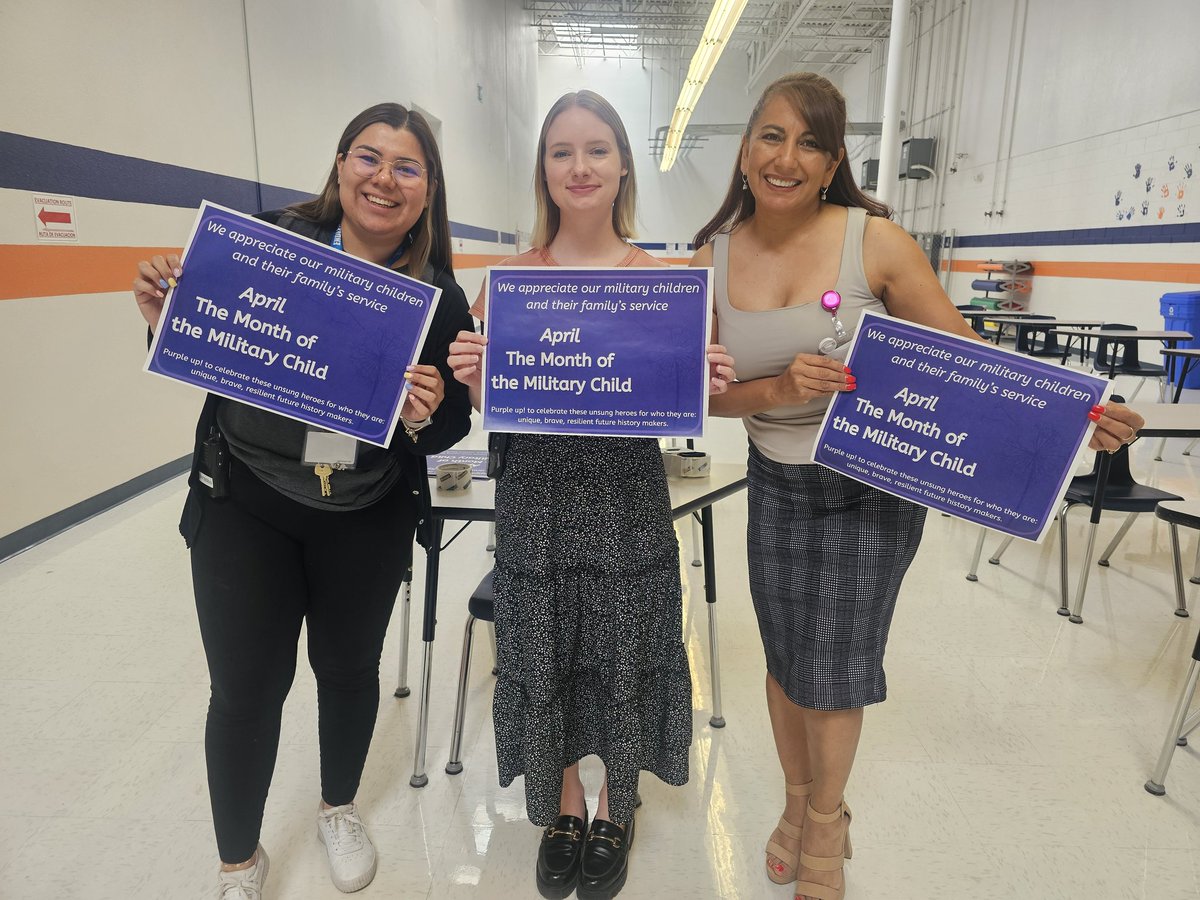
(35, 270)
(1183, 273)
(63, 270)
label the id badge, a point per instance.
(337, 450)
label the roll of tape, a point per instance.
(453, 478)
(687, 463)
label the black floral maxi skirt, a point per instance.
(588, 619)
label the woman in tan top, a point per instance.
(827, 554)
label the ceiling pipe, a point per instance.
(889, 145)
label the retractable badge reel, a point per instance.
(831, 301)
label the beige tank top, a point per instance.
(765, 342)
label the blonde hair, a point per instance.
(546, 223)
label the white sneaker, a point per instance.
(352, 859)
(245, 884)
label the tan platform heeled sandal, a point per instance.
(784, 871)
(811, 889)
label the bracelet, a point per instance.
(411, 428)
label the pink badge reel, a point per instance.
(831, 301)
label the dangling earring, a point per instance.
(745, 185)
(824, 191)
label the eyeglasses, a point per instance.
(367, 165)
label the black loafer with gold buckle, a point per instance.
(605, 860)
(559, 855)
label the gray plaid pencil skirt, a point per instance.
(827, 555)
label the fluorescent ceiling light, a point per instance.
(721, 22)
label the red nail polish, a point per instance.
(846, 369)
(1094, 416)
(852, 387)
(1098, 409)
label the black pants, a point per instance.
(261, 565)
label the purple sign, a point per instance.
(959, 426)
(286, 324)
(610, 352)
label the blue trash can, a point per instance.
(1181, 312)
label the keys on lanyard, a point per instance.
(323, 471)
(830, 302)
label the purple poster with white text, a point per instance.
(610, 352)
(959, 426)
(292, 326)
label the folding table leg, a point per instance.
(1081, 588)
(1063, 591)
(1180, 726)
(1181, 609)
(402, 689)
(973, 575)
(419, 778)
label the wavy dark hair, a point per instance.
(546, 218)
(822, 106)
(431, 233)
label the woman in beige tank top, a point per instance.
(826, 554)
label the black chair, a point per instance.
(1121, 494)
(478, 607)
(1186, 514)
(1037, 340)
(975, 316)
(1115, 356)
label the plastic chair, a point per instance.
(1115, 357)
(1186, 514)
(478, 607)
(976, 320)
(1121, 494)
(1035, 340)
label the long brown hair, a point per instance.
(547, 219)
(431, 233)
(822, 106)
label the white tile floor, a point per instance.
(1008, 762)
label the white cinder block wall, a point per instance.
(1061, 102)
(1097, 141)
(258, 90)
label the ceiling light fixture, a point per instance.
(721, 22)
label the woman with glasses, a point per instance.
(279, 553)
(587, 592)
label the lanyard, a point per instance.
(336, 243)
